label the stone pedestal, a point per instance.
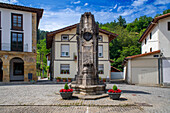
(89, 90)
(87, 80)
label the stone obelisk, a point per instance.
(87, 80)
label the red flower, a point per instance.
(66, 90)
(61, 90)
(119, 91)
(109, 91)
(114, 91)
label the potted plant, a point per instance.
(100, 79)
(66, 93)
(101, 72)
(64, 79)
(75, 57)
(58, 79)
(64, 71)
(67, 71)
(104, 80)
(114, 93)
(69, 79)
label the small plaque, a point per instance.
(87, 36)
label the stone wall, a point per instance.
(29, 64)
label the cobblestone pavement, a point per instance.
(43, 98)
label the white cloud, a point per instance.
(127, 12)
(119, 8)
(138, 2)
(78, 8)
(85, 4)
(161, 2)
(53, 20)
(9, 1)
(110, 9)
(76, 2)
(115, 6)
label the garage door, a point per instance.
(166, 70)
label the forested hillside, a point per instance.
(126, 44)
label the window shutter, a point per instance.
(65, 48)
(100, 49)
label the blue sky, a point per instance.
(62, 13)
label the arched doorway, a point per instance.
(16, 69)
(1, 70)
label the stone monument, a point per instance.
(87, 80)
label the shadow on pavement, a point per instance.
(135, 92)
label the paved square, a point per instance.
(43, 98)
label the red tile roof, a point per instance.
(151, 25)
(50, 35)
(113, 69)
(145, 54)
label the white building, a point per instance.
(63, 44)
(18, 35)
(152, 67)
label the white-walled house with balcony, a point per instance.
(63, 59)
(18, 35)
(152, 66)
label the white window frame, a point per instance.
(100, 53)
(65, 70)
(101, 68)
(64, 35)
(65, 53)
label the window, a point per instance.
(100, 51)
(64, 37)
(101, 69)
(64, 50)
(18, 68)
(168, 26)
(150, 49)
(151, 35)
(64, 69)
(16, 41)
(145, 41)
(100, 38)
(17, 23)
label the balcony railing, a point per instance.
(14, 47)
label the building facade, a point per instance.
(152, 66)
(18, 35)
(63, 44)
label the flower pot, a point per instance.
(104, 80)
(114, 96)
(66, 95)
(69, 80)
(64, 80)
(58, 80)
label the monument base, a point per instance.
(89, 90)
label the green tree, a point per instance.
(121, 21)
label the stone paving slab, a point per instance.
(90, 97)
(68, 109)
(150, 99)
